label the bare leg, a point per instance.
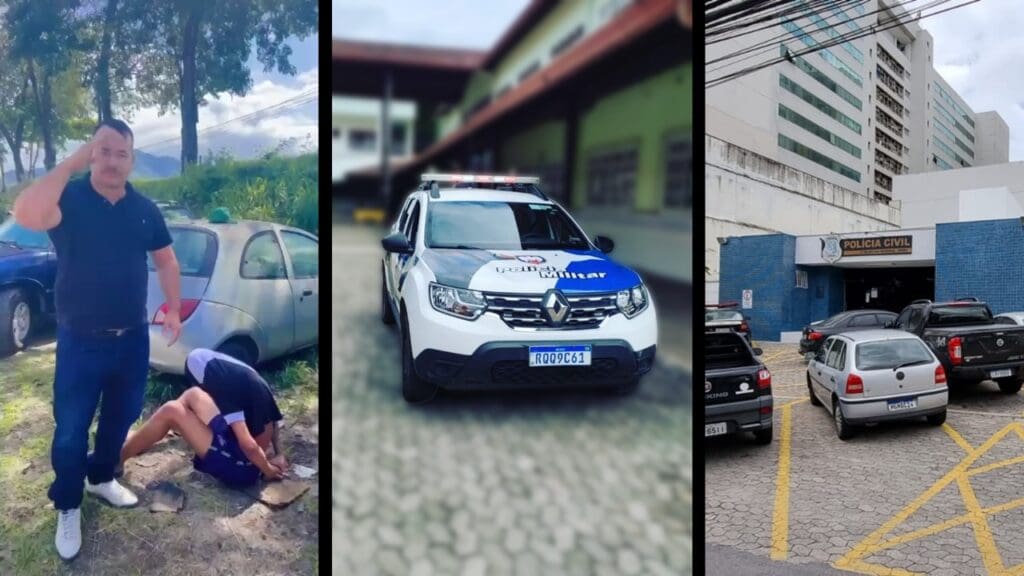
(200, 403)
(171, 416)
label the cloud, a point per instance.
(455, 23)
(977, 50)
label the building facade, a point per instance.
(356, 133)
(849, 118)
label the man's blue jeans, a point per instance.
(88, 367)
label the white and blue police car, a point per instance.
(494, 285)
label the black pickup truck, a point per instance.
(970, 344)
(737, 387)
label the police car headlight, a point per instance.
(466, 304)
(633, 301)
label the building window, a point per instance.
(818, 131)
(336, 133)
(823, 79)
(529, 71)
(818, 158)
(568, 41)
(827, 55)
(397, 139)
(611, 177)
(818, 103)
(362, 140)
(679, 173)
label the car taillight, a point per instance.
(187, 308)
(766, 409)
(744, 327)
(956, 353)
(854, 385)
(940, 375)
(814, 336)
(764, 378)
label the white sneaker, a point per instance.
(112, 492)
(69, 533)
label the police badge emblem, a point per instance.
(831, 249)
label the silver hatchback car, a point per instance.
(874, 376)
(248, 289)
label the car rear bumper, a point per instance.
(984, 372)
(505, 365)
(866, 410)
(741, 416)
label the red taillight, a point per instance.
(744, 327)
(187, 308)
(764, 378)
(766, 409)
(854, 385)
(814, 336)
(940, 375)
(956, 353)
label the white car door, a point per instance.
(303, 255)
(816, 368)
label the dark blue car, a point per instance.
(28, 270)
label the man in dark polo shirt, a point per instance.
(102, 229)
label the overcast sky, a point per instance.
(977, 50)
(455, 23)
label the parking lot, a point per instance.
(497, 483)
(898, 498)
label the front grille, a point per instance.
(519, 373)
(525, 311)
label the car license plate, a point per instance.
(560, 355)
(723, 329)
(897, 405)
(1001, 374)
(716, 429)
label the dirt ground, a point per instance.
(219, 530)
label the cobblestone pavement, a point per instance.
(498, 483)
(898, 498)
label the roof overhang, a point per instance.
(417, 72)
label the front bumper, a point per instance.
(742, 416)
(505, 365)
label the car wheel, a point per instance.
(387, 315)
(238, 351)
(843, 428)
(763, 436)
(810, 392)
(937, 419)
(1009, 385)
(415, 390)
(15, 321)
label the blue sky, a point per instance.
(455, 23)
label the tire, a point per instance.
(843, 428)
(763, 437)
(387, 315)
(810, 392)
(937, 419)
(1009, 385)
(238, 351)
(415, 390)
(15, 321)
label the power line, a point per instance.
(306, 97)
(870, 31)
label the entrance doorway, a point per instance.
(887, 288)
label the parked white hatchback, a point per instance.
(874, 376)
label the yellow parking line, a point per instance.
(780, 518)
(921, 533)
(982, 532)
(957, 438)
(996, 465)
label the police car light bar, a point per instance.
(489, 178)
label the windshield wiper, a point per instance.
(10, 243)
(912, 363)
(458, 247)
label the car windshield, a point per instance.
(959, 315)
(195, 250)
(720, 315)
(502, 226)
(725, 350)
(889, 354)
(14, 234)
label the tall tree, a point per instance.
(205, 48)
(14, 109)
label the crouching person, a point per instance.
(228, 417)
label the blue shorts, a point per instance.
(225, 459)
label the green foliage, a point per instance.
(273, 189)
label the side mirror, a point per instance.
(604, 244)
(758, 351)
(396, 243)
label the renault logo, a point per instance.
(556, 306)
(707, 386)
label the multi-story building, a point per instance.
(815, 141)
(356, 129)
